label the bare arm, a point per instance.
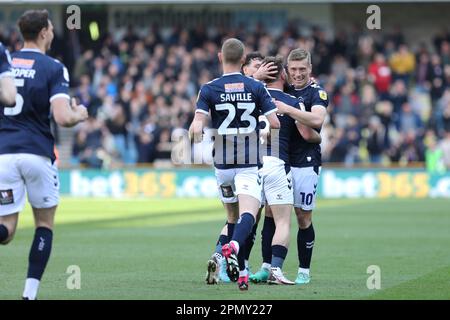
(67, 115)
(8, 92)
(197, 125)
(273, 120)
(309, 134)
(313, 119)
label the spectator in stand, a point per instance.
(403, 64)
(444, 145)
(380, 75)
(377, 141)
(139, 89)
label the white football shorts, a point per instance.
(277, 184)
(305, 187)
(235, 181)
(27, 173)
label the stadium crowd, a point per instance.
(389, 99)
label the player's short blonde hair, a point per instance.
(232, 51)
(299, 55)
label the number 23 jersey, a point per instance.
(235, 102)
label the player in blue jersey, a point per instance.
(305, 157)
(27, 159)
(235, 102)
(7, 87)
(277, 178)
(216, 267)
(275, 233)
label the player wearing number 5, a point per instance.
(27, 159)
(235, 102)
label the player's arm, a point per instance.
(273, 120)
(65, 112)
(68, 115)
(8, 91)
(201, 115)
(313, 119)
(309, 134)
(197, 125)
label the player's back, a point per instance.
(287, 125)
(235, 102)
(26, 127)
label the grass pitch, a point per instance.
(157, 249)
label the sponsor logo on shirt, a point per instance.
(234, 87)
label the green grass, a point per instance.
(157, 249)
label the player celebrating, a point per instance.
(235, 103)
(305, 157)
(216, 266)
(277, 177)
(27, 159)
(269, 271)
(7, 87)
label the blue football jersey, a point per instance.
(305, 154)
(287, 124)
(26, 127)
(235, 102)
(5, 62)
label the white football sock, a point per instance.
(31, 288)
(266, 266)
(302, 270)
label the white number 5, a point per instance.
(18, 106)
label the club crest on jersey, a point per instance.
(323, 95)
(234, 87)
(22, 63)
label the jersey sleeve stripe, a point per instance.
(6, 74)
(271, 111)
(59, 95)
(202, 111)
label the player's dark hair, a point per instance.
(277, 62)
(232, 51)
(32, 22)
(252, 56)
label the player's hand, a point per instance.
(266, 71)
(282, 107)
(79, 109)
(196, 132)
